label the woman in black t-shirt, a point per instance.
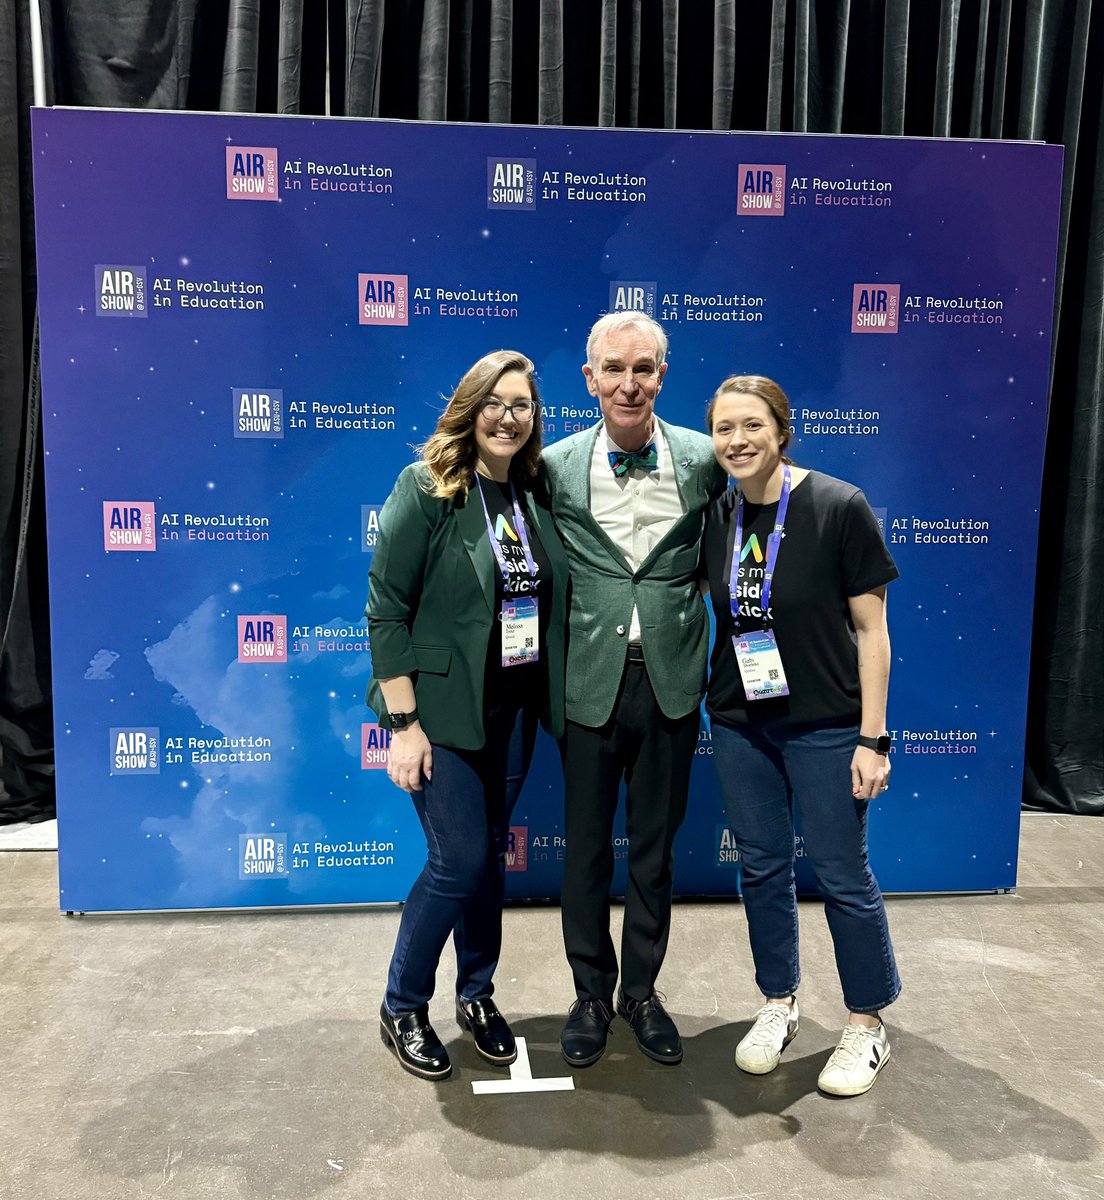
(797, 701)
(466, 610)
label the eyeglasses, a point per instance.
(521, 410)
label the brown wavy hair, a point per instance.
(449, 452)
(768, 391)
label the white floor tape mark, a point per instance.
(521, 1078)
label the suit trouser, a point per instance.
(652, 753)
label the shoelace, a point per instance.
(600, 1005)
(771, 1020)
(847, 1053)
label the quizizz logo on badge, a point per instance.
(383, 299)
(135, 750)
(762, 190)
(262, 639)
(375, 742)
(258, 412)
(121, 291)
(875, 308)
(251, 173)
(512, 183)
(129, 525)
(633, 296)
(262, 856)
(517, 848)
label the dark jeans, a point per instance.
(465, 814)
(764, 771)
(653, 754)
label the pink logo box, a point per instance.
(375, 746)
(382, 299)
(262, 638)
(129, 525)
(761, 190)
(252, 173)
(876, 308)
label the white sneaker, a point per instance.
(775, 1027)
(855, 1062)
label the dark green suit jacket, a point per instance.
(431, 598)
(674, 629)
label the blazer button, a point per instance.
(620, 630)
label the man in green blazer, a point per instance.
(628, 499)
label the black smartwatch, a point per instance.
(880, 744)
(397, 721)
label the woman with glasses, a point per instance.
(466, 609)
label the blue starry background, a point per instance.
(141, 409)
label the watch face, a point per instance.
(884, 743)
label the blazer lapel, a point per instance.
(472, 524)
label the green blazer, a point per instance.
(431, 597)
(674, 628)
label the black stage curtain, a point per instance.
(944, 68)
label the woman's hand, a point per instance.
(869, 773)
(410, 759)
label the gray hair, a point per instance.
(625, 319)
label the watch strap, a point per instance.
(880, 744)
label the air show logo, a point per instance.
(135, 750)
(728, 853)
(375, 745)
(512, 183)
(876, 308)
(383, 299)
(369, 526)
(251, 173)
(262, 856)
(129, 525)
(258, 412)
(761, 190)
(517, 848)
(121, 291)
(633, 296)
(262, 639)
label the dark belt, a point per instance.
(635, 653)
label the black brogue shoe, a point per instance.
(656, 1034)
(410, 1037)
(488, 1027)
(583, 1039)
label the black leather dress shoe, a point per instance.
(655, 1032)
(583, 1040)
(488, 1027)
(411, 1039)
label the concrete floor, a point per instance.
(237, 1056)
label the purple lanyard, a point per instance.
(774, 541)
(519, 521)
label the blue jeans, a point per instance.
(765, 771)
(465, 814)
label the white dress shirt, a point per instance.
(637, 510)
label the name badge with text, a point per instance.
(760, 665)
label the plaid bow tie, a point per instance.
(623, 461)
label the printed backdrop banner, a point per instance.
(247, 322)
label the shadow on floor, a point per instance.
(284, 1113)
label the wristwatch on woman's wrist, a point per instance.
(880, 744)
(398, 721)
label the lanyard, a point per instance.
(774, 541)
(519, 522)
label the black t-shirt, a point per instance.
(505, 682)
(831, 549)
